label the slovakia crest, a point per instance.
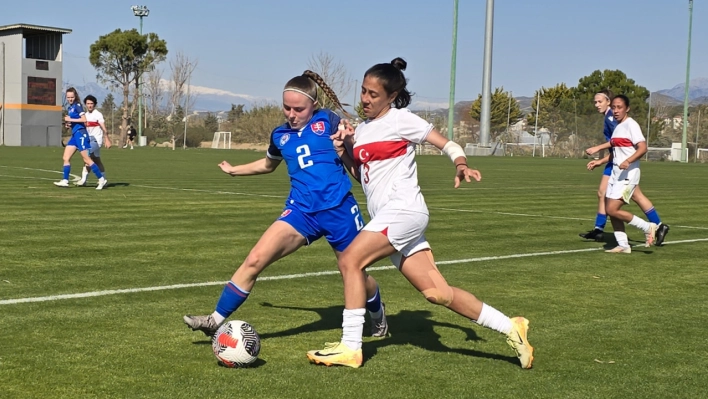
(318, 128)
(285, 213)
(284, 139)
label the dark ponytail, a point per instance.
(393, 80)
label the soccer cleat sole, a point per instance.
(314, 360)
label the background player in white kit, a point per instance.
(628, 147)
(381, 156)
(98, 134)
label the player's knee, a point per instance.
(348, 262)
(439, 295)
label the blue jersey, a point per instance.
(318, 180)
(610, 124)
(75, 111)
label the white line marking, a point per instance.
(209, 191)
(508, 213)
(691, 227)
(300, 275)
(40, 170)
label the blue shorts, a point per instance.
(338, 225)
(608, 169)
(80, 140)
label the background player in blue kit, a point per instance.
(79, 140)
(602, 102)
(320, 202)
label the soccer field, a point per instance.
(94, 284)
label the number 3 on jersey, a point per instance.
(304, 152)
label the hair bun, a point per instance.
(399, 63)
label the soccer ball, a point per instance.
(236, 344)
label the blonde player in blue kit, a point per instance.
(602, 101)
(320, 202)
(79, 140)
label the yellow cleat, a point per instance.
(336, 353)
(519, 343)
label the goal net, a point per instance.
(702, 155)
(221, 140)
(658, 154)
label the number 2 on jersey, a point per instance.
(304, 152)
(357, 218)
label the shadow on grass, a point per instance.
(407, 327)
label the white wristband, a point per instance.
(453, 150)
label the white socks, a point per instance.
(218, 318)
(641, 224)
(353, 327)
(622, 239)
(494, 319)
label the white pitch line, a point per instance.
(508, 213)
(40, 170)
(299, 275)
(208, 191)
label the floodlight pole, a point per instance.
(485, 111)
(140, 11)
(684, 149)
(453, 65)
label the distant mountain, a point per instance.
(658, 98)
(697, 87)
(206, 98)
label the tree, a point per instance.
(334, 74)
(618, 82)
(154, 91)
(557, 112)
(181, 67)
(256, 125)
(121, 57)
(211, 123)
(502, 113)
(235, 113)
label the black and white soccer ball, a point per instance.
(236, 344)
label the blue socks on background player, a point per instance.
(67, 169)
(373, 304)
(96, 171)
(231, 298)
(653, 216)
(600, 221)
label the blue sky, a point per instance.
(253, 47)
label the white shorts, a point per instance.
(622, 184)
(405, 231)
(95, 149)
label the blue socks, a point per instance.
(231, 298)
(67, 169)
(600, 221)
(653, 216)
(373, 304)
(96, 171)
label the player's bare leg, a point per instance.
(423, 274)
(597, 232)
(619, 217)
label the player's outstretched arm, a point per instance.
(598, 148)
(457, 155)
(259, 167)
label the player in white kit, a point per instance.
(98, 134)
(628, 147)
(381, 155)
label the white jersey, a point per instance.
(384, 151)
(624, 142)
(93, 121)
